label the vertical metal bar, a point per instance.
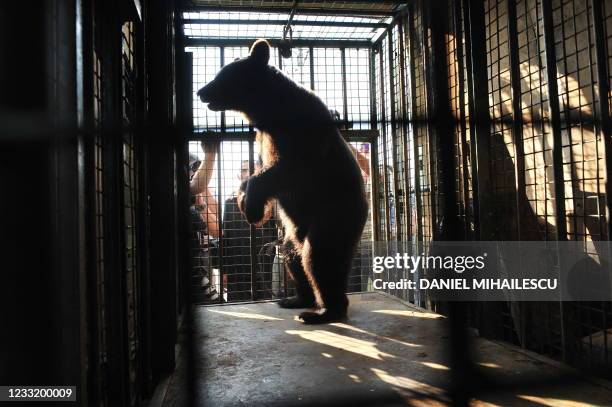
(344, 92)
(405, 247)
(480, 119)
(429, 109)
(371, 61)
(517, 122)
(443, 122)
(252, 231)
(517, 136)
(459, 39)
(219, 219)
(396, 189)
(374, 150)
(469, 89)
(312, 73)
(404, 127)
(374, 190)
(384, 143)
(553, 104)
(415, 142)
(604, 129)
(461, 360)
(222, 63)
(83, 90)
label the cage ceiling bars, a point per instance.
(280, 22)
(354, 7)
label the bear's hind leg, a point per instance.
(305, 296)
(329, 267)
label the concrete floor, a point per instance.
(258, 354)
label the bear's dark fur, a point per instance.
(308, 168)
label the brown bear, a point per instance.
(308, 169)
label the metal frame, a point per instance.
(202, 42)
(553, 101)
(393, 136)
(464, 149)
(309, 10)
(223, 21)
(415, 146)
(517, 116)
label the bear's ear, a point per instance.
(260, 52)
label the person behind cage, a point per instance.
(237, 249)
(204, 224)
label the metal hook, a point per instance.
(285, 44)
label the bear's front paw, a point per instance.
(254, 212)
(250, 204)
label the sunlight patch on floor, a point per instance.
(407, 313)
(355, 329)
(408, 384)
(247, 315)
(346, 343)
(489, 364)
(436, 366)
(547, 401)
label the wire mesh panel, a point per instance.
(583, 160)
(328, 78)
(540, 324)
(297, 67)
(467, 150)
(233, 121)
(264, 25)
(130, 206)
(230, 260)
(360, 278)
(381, 200)
(459, 106)
(204, 214)
(420, 126)
(387, 145)
(206, 64)
(525, 172)
(253, 25)
(583, 166)
(397, 138)
(406, 168)
(412, 204)
(207, 61)
(539, 222)
(502, 150)
(358, 87)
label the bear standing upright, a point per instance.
(308, 168)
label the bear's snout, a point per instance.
(203, 94)
(210, 95)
